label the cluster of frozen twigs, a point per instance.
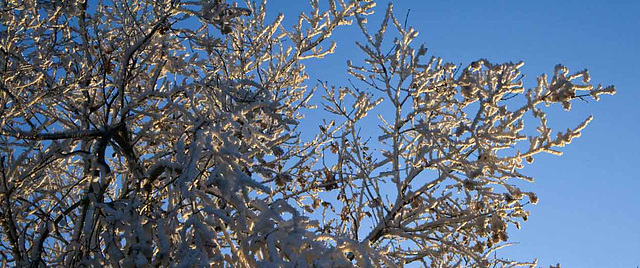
(166, 133)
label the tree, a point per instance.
(166, 133)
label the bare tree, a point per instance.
(166, 133)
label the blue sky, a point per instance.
(589, 209)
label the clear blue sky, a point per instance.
(589, 210)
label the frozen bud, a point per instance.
(475, 173)
(479, 247)
(475, 65)
(516, 193)
(483, 157)
(280, 180)
(495, 238)
(277, 151)
(333, 147)
(533, 198)
(468, 91)
(308, 208)
(497, 224)
(509, 199)
(586, 78)
(469, 184)
(529, 159)
(503, 236)
(375, 203)
(460, 130)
